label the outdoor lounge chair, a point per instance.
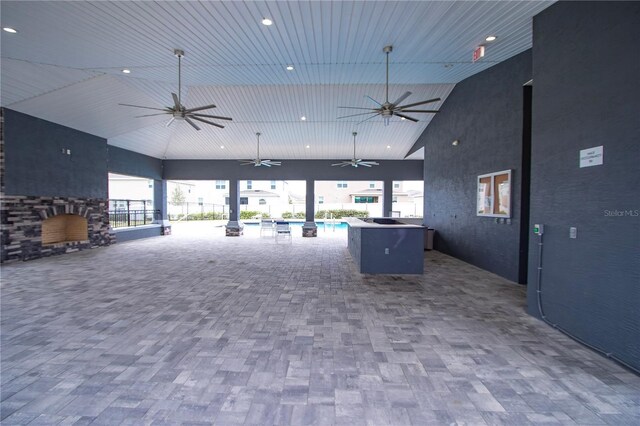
(266, 225)
(283, 230)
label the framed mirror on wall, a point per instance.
(494, 194)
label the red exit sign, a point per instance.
(478, 53)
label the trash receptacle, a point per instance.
(428, 242)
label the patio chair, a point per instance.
(283, 230)
(266, 225)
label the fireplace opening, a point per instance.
(64, 228)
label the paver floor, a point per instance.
(202, 329)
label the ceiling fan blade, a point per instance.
(370, 109)
(420, 110)
(419, 103)
(369, 163)
(367, 119)
(212, 116)
(265, 164)
(374, 101)
(204, 121)
(364, 164)
(246, 162)
(200, 108)
(176, 102)
(150, 115)
(355, 115)
(169, 122)
(338, 164)
(188, 120)
(405, 116)
(402, 98)
(138, 106)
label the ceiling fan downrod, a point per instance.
(179, 53)
(387, 50)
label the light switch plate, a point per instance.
(573, 232)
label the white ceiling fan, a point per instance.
(355, 162)
(180, 112)
(388, 109)
(257, 162)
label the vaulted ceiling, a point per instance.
(65, 65)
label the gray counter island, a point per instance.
(386, 246)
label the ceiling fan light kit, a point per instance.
(355, 162)
(257, 162)
(180, 112)
(388, 109)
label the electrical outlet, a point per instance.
(386, 251)
(573, 232)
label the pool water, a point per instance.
(319, 224)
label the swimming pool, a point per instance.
(320, 224)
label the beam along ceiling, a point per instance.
(65, 65)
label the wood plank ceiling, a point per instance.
(65, 65)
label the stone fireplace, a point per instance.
(38, 226)
(34, 227)
(64, 228)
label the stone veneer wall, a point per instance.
(22, 225)
(21, 220)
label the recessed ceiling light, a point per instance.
(308, 147)
(491, 38)
(10, 30)
(402, 118)
(126, 71)
(455, 143)
(266, 21)
(303, 118)
(388, 146)
(221, 146)
(290, 68)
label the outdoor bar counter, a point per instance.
(386, 245)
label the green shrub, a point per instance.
(287, 215)
(340, 213)
(250, 214)
(300, 215)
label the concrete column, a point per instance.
(387, 197)
(160, 202)
(234, 227)
(310, 229)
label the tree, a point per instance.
(177, 196)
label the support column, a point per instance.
(310, 229)
(234, 226)
(387, 197)
(160, 202)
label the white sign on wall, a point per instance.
(591, 156)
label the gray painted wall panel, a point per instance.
(291, 170)
(132, 163)
(406, 251)
(484, 113)
(131, 234)
(36, 166)
(591, 284)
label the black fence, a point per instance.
(123, 213)
(123, 218)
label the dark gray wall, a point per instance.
(291, 170)
(36, 166)
(406, 254)
(484, 113)
(132, 163)
(137, 233)
(585, 94)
